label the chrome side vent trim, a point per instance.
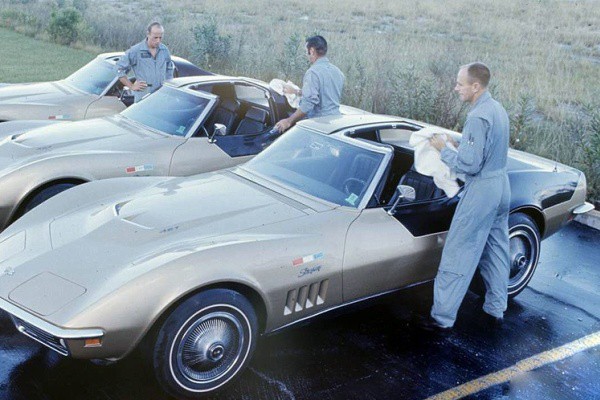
(306, 297)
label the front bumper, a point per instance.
(582, 209)
(49, 335)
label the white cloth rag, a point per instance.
(428, 161)
(293, 99)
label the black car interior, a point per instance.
(240, 117)
(254, 121)
(400, 171)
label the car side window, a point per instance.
(253, 98)
(395, 137)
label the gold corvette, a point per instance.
(90, 92)
(194, 269)
(169, 133)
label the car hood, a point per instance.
(96, 249)
(204, 206)
(45, 93)
(108, 134)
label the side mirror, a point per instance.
(405, 192)
(220, 130)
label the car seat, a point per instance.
(253, 122)
(225, 114)
(425, 188)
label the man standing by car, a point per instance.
(321, 87)
(478, 234)
(150, 61)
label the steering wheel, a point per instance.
(353, 181)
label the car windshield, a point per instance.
(169, 110)
(320, 165)
(93, 77)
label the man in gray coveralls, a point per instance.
(150, 61)
(478, 234)
(321, 87)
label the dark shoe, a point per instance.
(490, 321)
(428, 324)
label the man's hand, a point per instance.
(438, 142)
(289, 89)
(283, 125)
(138, 85)
(452, 141)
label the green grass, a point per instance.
(24, 59)
(400, 57)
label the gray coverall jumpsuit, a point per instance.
(153, 70)
(478, 235)
(322, 89)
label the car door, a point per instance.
(245, 136)
(385, 252)
(104, 105)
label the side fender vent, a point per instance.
(306, 297)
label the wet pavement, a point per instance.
(372, 352)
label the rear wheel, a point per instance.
(205, 342)
(524, 254)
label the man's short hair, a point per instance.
(152, 25)
(478, 72)
(318, 43)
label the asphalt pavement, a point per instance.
(546, 349)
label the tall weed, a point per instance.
(212, 49)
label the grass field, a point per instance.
(23, 59)
(400, 57)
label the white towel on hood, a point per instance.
(428, 161)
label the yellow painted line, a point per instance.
(526, 365)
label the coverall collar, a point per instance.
(144, 44)
(484, 96)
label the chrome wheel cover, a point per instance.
(524, 252)
(210, 347)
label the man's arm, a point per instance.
(124, 65)
(170, 66)
(286, 123)
(470, 155)
(310, 98)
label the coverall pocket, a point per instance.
(451, 273)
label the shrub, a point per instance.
(13, 19)
(211, 48)
(292, 63)
(355, 88)
(425, 96)
(522, 122)
(64, 25)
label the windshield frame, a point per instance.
(110, 61)
(212, 100)
(384, 149)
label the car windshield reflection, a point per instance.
(93, 77)
(168, 110)
(322, 166)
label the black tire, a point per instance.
(524, 255)
(44, 195)
(204, 343)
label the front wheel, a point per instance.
(43, 195)
(205, 342)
